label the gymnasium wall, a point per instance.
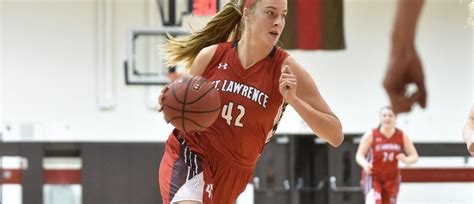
(351, 79)
(52, 74)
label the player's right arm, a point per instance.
(363, 150)
(202, 60)
(469, 131)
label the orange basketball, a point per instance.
(191, 103)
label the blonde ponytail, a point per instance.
(224, 26)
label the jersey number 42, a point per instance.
(227, 114)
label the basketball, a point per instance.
(191, 103)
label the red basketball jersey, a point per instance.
(251, 103)
(383, 154)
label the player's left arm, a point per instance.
(411, 155)
(468, 131)
(300, 91)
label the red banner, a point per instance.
(204, 7)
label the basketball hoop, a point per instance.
(143, 65)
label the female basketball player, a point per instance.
(379, 152)
(256, 80)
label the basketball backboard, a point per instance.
(144, 65)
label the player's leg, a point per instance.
(191, 192)
(229, 179)
(374, 193)
(390, 190)
(171, 167)
(370, 188)
(180, 175)
(227, 192)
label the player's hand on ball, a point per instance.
(160, 98)
(288, 83)
(190, 103)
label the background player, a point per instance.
(378, 154)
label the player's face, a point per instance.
(387, 117)
(268, 20)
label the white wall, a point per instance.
(350, 80)
(1, 69)
(50, 71)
